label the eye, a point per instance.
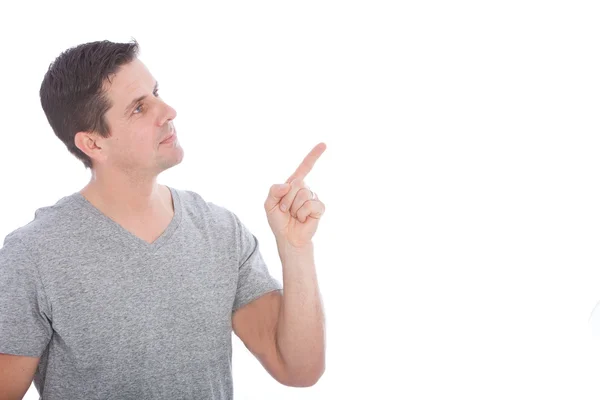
(156, 93)
(138, 109)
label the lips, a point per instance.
(169, 137)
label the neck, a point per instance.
(125, 197)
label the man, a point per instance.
(129, 289)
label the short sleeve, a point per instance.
(25, 327)
(254, 279)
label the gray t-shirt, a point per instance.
(114, 317)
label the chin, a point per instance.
(174, 160)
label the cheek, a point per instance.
(141, 142)
(137, 142)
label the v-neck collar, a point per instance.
(129, 237)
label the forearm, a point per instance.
(300, 331)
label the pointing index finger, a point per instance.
(308, 162)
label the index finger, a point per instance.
(308, 163)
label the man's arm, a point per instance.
(287, 333)
(16, 375)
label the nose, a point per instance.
(168, 114)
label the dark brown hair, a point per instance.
(72, 93)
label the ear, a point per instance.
(91, 144)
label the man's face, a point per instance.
(138, 121)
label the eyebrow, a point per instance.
(138, 99)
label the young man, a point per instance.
(129, 289)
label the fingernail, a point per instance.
(283, 207)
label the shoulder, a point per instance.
(48, 222)
(202, 210)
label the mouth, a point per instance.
(170, 138)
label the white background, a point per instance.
(458, 256)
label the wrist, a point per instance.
(286, 248)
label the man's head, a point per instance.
(103, 103)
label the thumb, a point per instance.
(276, 193)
